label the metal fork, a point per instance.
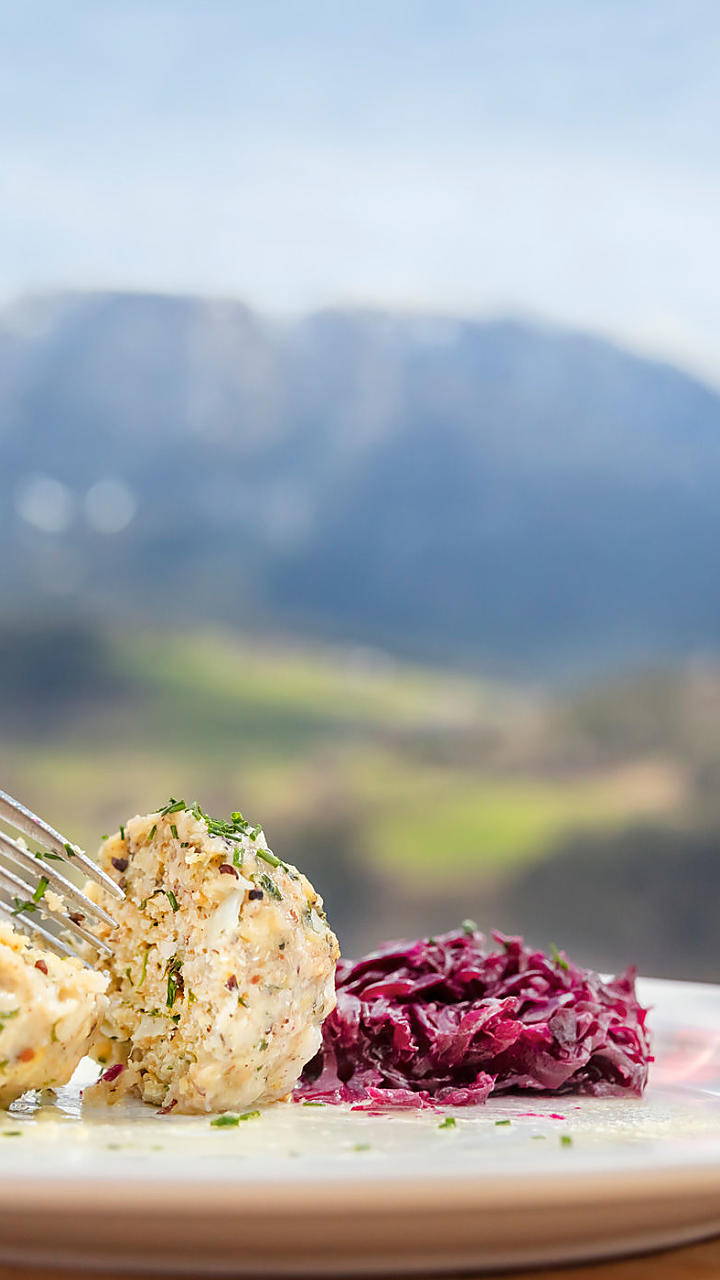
(40, 874)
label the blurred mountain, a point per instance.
(535, 501)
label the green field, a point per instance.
(430, 771)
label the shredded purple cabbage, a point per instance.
(446, 1021)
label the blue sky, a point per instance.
(550, 159)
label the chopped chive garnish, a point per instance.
(69, 850)
(41, 887)
(306, 1103)
(6, 1014)
(565, 1140)
(12, 1133)
(153, 832)
(22, 904)
(174, 806)
(143, 972)
(560, 961)
(51, 857)
(236, 828)
(174, 830)
(39, 893)
(238, 857)
(268, 856)
(174, 980)
(172, 900)
(498, 1123)
(230, 1121)
(270, 887)
(362, 1146)
(227, 830)
(448, 1123)
(122, 833)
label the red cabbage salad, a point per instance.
(448, 1021)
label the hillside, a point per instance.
(412, 796)
(531, 501)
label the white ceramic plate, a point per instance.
(324, 1189)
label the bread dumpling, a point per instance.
(50, 1009)
(223, 964)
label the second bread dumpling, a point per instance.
(50, 1009)
(223, 964)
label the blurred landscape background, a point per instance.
(421, 574)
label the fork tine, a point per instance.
(28, 926)
(22, 819)
(15, 885)
(28, 861)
